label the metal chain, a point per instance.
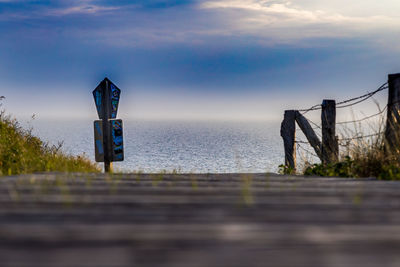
(362, 97)
(366, 118)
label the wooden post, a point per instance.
(288, 133)
(309, 133)
(330, 147)
(392, 132)
(106, 128)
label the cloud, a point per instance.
(282, 20)
(160, 22)
(80, 9)
(24, 10)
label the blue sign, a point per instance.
(113, 92)
(98, 98)
(98, 141)
(117, 140)
(114, 95)
(117, 143)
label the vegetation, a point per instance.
(363, 157)
(373, 164)
(21, 152)
(284, 169)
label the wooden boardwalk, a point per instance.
(198, 220)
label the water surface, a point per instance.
(201, 147)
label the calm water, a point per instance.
(185, 146)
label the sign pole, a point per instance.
(106, 127)
(108, 133)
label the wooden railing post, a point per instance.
(330, 148)
(288, 133)
(392, 132)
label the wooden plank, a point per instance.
(198, 220)
(330, 146)
(288, 133)
(309, 133)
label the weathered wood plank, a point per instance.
(309, 133)
(198, 220)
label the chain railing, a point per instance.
(313, 129)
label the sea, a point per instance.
(180, 146)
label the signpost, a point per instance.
(108, 134)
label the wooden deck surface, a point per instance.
(198, 220)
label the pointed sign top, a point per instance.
(108, 93)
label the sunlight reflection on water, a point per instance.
(201, 147)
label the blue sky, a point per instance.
(211, 59)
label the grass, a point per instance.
(362, 157)
(21, 152)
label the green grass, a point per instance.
(21, 152)
(375, 163)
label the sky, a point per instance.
(210, 59)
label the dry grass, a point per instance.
(362, 153)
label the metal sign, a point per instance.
(107, 131)
(98, 99)
(98, 141)
(117, 145)
(100, 96)
(117, 140)
(114, 95)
